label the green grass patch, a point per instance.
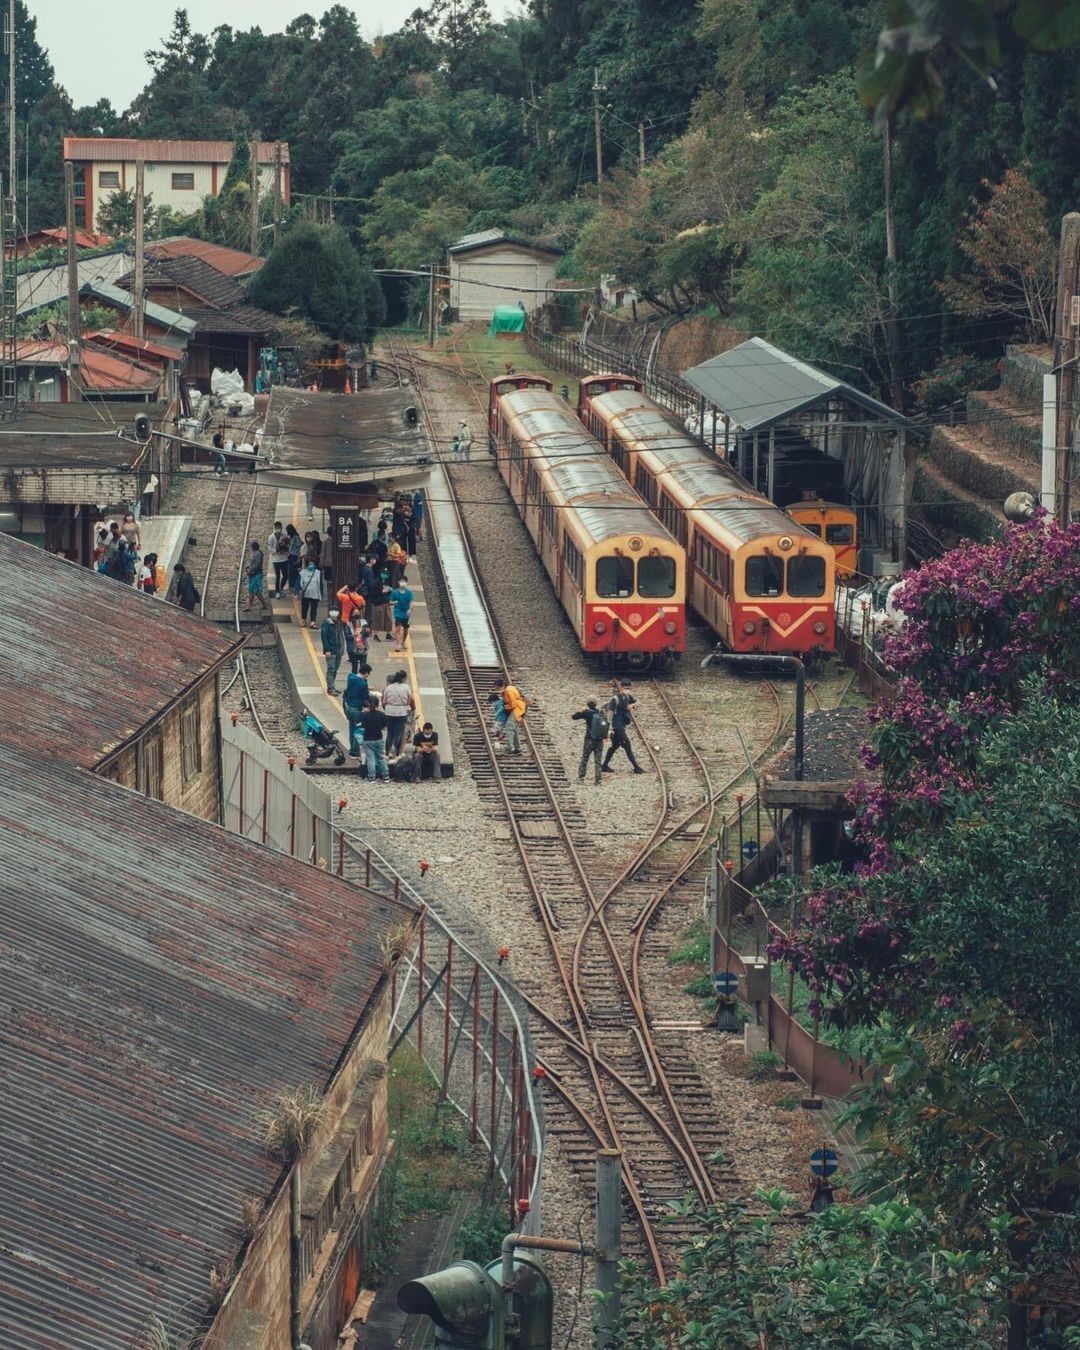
(693, 946)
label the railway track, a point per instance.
(597, 1046)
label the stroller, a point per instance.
(321, 742)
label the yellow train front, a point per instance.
(763, 583)
(619, 576)
(838, 525)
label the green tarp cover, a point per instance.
(507, 319)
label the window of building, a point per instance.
(656, 578)
(190, 738)
(806, 576)
(109, 178)
(148, 775)
(183, 182)
(614, 578)
(764, 575)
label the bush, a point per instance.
(949, 381)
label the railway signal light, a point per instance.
(463, 1301)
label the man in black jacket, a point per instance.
(187, 597)
(373, 729)
(596, 733)
(619, 708)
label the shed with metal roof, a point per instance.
(492, 268)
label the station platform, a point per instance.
(477, 638)
(167, 536)
(305, 669)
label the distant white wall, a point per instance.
(500, 275)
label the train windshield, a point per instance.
(614, 578)
(812, 527)
(764, 575)
(839, 534)
(656, 578)
(806, 576)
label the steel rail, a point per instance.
(687, 1154)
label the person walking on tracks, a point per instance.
(463, 440)
(373, 726)
(255, 576)
(187, 594)
(515, 706)
(596, 733)
(333, 645)
(619, 708)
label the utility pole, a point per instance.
(1065, 357)
(277, 193)
(431, 306)
(12, 162)
(608, 1244)
(137, 308)
(892, 333)
(597, 90)
(9, 285)
(254, 152)
(641, 147)
(74, 381)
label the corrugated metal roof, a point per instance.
(115, 295)
(485, 238)
(220, 306)
(110, 148)
(48, 285)
(100, 370)
(163, 979)
(144, 347)
(356, 435)
(230, 261)
(759, 385)
(126, 657)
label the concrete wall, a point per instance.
(256, 1311)
(500, 275)
(157, 181)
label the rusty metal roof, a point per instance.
(356, 435)
(163, 980)
(113, 149)
(217, 303)
(128, 658)
(231, 261)
(75, 436)
(100, 371)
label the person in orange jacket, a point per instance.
(349, 598)
(516, 706)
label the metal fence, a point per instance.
(450, 996)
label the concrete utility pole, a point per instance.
(277, 193)
(1065, 357)
(431, 306)
(597, 90)
(608, 1244)
(254, 152)
(74, 381)
(137, 302)
(641, 147)
(892, 332)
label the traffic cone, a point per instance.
(348, 385)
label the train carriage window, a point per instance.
(572, 559)
(656, 578)
(806, 576)
(550, 520)
(614, 578)
(533, 490)
(839, 534)
(621, 458)
(515, 449)
(764, 574)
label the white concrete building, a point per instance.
(490, 268)
(177, 174)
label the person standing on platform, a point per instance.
(187, 596)
(355, 701)
(619, 708)
(380, 543)
(311, 592)
(398, 703)
(375, 594)
(373, 726)
(333, 645)
(277, 550)
(255, 576)
(296, 545)
(596, 733)
(396, 559)
(350, 597)
(418, 507)
(401, 597)
(515, 707)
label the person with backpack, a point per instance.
(619, 708)
(277, 550)
(355, 702)
(187, 596)
(515, 707)
(597, 728)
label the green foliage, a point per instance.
(880, 1275)
(480, 1236)
(764, 1064)
(316, 274)
(694, 945)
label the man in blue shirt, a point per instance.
(401, 598)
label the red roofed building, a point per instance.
(178, 174)
(43, 374)
(57, 238)
(232, 262)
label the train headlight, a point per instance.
(599, 627)
(671, 628)
(819, 628)
(749, 627)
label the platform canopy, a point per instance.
(758, 385)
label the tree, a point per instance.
(956, 942)
(1012, 260)
(316, 274)
(116, 215)
(876, 1276)
(178, 100)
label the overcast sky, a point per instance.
(97, 46)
